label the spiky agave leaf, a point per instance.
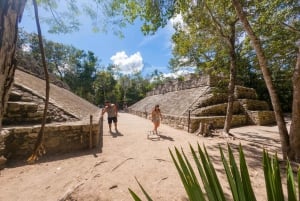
(245, 176)
(211, 193)
(135, 197)
(211, 174)
(272, 177)
(291, 184)
(187, 176)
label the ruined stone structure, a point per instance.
(72, 122)
(196, 101)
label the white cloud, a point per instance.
(128, 64)
(177, 20)
(26, 48)
(181, 72)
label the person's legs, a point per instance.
(154, 127)
(156, 124)
(109, 123)
(116, 127)
(115, 120)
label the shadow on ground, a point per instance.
(59, 156)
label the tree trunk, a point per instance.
(231, 84)
(284, 137)
(10, 14)
(39, 148)
(295, 125)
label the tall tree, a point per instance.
(208, 39)
(293, 152)
(295, 124)
(39, 147)
(104, 85)
(10, 15)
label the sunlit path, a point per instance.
(126, 156)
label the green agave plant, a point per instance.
(238, 177)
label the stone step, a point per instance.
(22, 113)
(241, 92)
(15, 96)
(261, 118)
(21, 121)
(21, 107)
(254, 104)
(216, 121)
(218, 109)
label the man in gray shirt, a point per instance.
(112, 114)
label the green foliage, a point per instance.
(201, 39)
(275, 22)
(80, 70)
(104, 85)
(136, 198)
(137, 89)
(60, 20)
(273, 179)
(103, 16)
(237, 177)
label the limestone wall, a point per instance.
(59, 138)
(192, 124)
(173, 103)
(194, 81)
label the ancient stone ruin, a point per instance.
(72, 122)
(197, 102)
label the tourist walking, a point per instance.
(156, 117)
(112, 114)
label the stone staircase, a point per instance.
(21, 112)
(24, 107)
(72, 122)
(187, 107)
(246, 103)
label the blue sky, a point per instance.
(133, 52)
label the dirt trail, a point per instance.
(90, 175)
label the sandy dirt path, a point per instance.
(91, 176)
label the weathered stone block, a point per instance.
(64, 128)
(32, 135)
(241, 92)
(211, 99)
(262, 117)
(254, 104)
(15, 96)
(35, 114)
(4, 133)
(53, 142)
(21, 130)
(214, 110)
(12, 107)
